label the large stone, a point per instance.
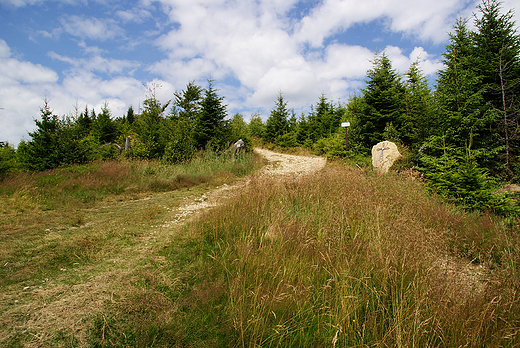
(384, 155)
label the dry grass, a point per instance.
(346, 259)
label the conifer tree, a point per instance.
(151, 127)
(189, 101)
(384, 98)
(210, 126)
(322, 122)
(41, 152)
(497, 51)
(256, 126)
(462, 111)
(84, 123)
(277, 124)
(130, 115)
(418, 106)
(103, 128)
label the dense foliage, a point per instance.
(463, 135)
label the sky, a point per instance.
(78, 53)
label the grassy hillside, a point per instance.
(343, 258)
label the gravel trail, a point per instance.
(281, 165)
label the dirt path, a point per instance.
(282, 165)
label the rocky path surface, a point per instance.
(282, 165)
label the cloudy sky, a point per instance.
(82, 52)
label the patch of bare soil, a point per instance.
(281, 165)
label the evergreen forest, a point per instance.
(462, 135)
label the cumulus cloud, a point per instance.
(98, 63)
(424, 19)
(257, 45)
(91, 28)
(24, 86)
(20, 71)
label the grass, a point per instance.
(343, 258)
(76, 240)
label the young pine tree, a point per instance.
(418, 106)
(189, 101)
(42, 151)
(461, 110)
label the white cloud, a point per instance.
(24, 86)
(91, 28)
(253, 44)
(136, 15)
(98, 63)
(342, 61)
(22, 72)
(424, 19)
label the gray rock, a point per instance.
(384, 154)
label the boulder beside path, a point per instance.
(384, 154)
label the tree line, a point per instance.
(463, 134)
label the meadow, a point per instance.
(95, 256)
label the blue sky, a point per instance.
(80, 52)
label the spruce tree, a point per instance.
(323, 121)
(497, 49)
(256, 126)
(130, 116)
(189, 100)
(384, 98)
(42, 151)
(103, 127)
(210, 126)
(277, 124)
(84, 123)
(418, 106)
(462, 111)
(151, 127)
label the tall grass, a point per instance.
(346, 259)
